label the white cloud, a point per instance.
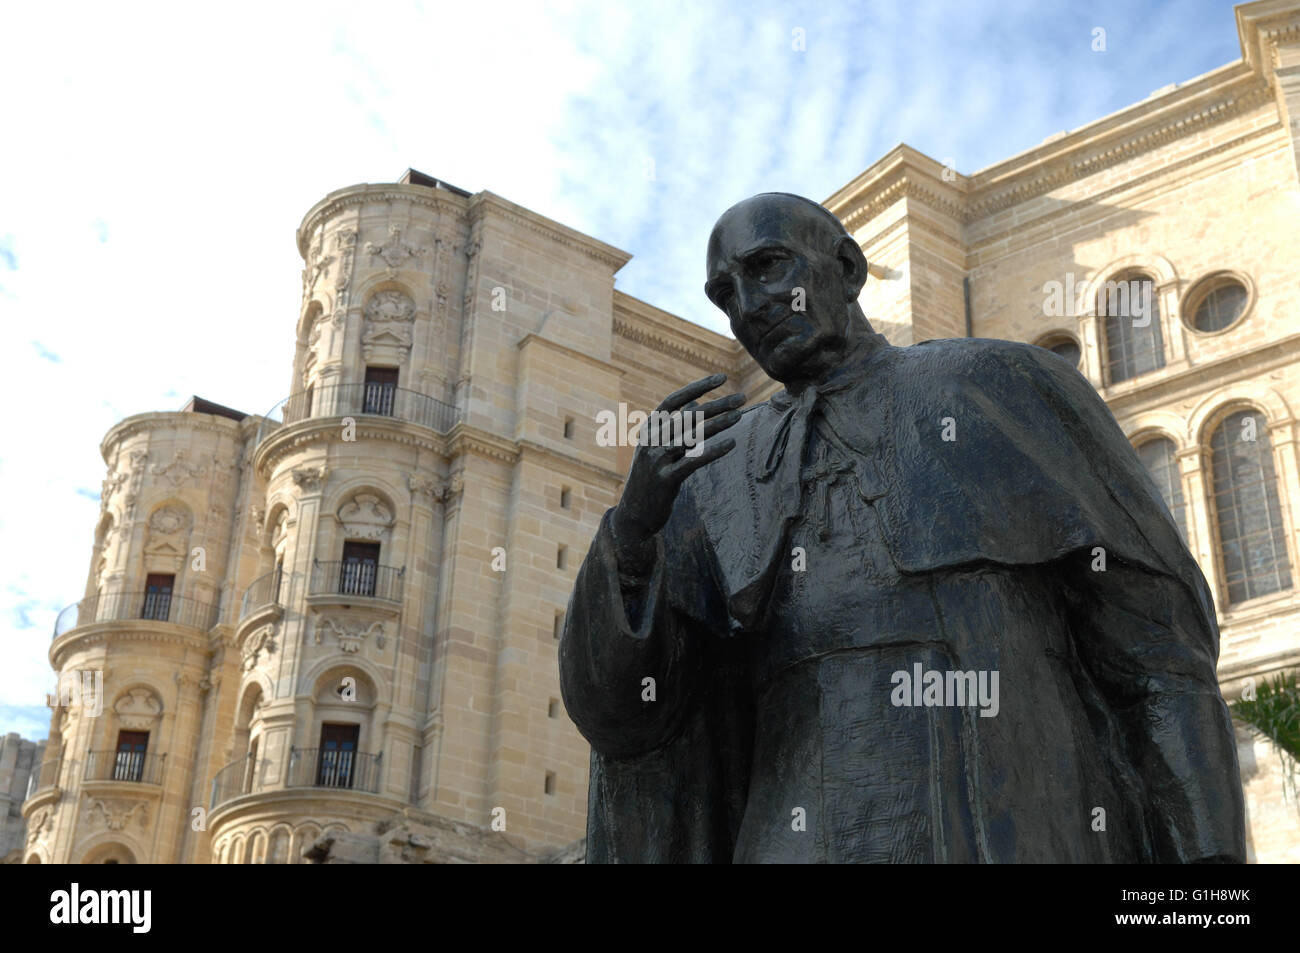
(158, 158)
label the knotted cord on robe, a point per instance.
(843, 452)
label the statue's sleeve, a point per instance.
(631, 653)
(1152, 653)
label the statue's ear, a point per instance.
(854, 265)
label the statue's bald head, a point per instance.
(787, 275)
(808, 221)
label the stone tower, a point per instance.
(338, 622)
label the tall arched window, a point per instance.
(1134, 345)
(1157, 455)
(1251, 536)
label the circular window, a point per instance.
(1064, 347)
(1216, 303)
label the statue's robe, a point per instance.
(772, 734)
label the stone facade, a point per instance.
(329, 634)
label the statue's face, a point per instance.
(768, 257)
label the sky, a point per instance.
(156, 160)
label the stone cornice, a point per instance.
(642, 323)
(326, 430)
(1141, 128)
(1098, 199)
(131, 630)
(466, 439)
(1090, 158)
(1264, 25)
(354, 195)
(1165, 389)
(486, 206)
(606, 366)
(156, 420)
(574, 466)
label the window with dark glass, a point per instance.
(359, 569)
(1220, 307)
(1131, 316)
(381, 387)
(336, 763)
(128, 759)
(1157, 456)
(1252, 540)
(157, 596)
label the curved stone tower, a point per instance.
(336, 625)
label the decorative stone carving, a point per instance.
(138, 709)
(351, 635)
(169, 520)
(393, 250)
(179, 470)
(365, 516)
(256, 516)
(423, 485)
(167, 543)
(263, 640)
(387, 333)
(38, 825)
(310, 479)
(114, 813)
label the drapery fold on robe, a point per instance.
(1038, 473)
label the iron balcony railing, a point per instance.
(266, 590)
(122, 606)
(332, 768)
(308, 768)
(357, 579)
(355, 400)
(239, 777)
(139, 766)
(45, 776)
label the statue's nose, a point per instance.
(750, 299)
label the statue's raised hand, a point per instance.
(667, 453)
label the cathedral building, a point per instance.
(328, 633)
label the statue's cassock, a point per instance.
(1108, 693)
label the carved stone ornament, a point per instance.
(351, 635)
(138, 709)
(310, 479)
(179, 470)
(393, 250)
(169, 520)
(114, 813)
(261, 641)
(390, 306)
(365, 516)
(38, 825)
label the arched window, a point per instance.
(1064, 346)
(1131, 315)
(1251, 535)
(1157, 455)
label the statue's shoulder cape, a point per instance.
(991, 451)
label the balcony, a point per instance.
(332, 768)
(45, 777)
(360, 400)
(308, 768)
(265, 595)
(132, 766)
(127, 606)
(364, 580)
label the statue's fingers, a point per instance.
(715, 407)
(678, 398)
(692, 436)
(709, 452)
